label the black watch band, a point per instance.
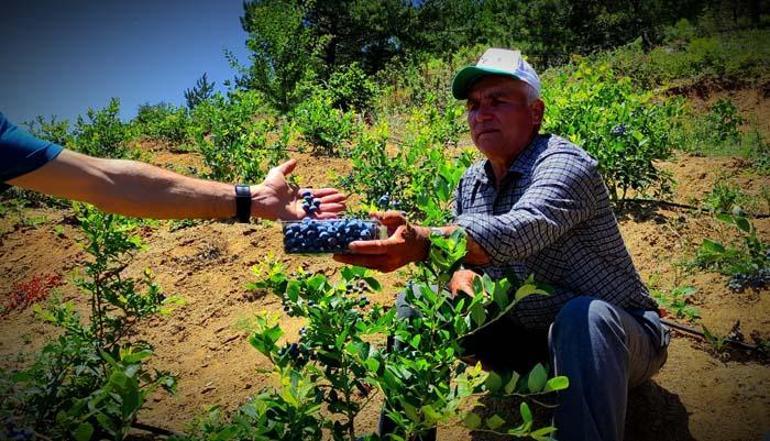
(243, 203)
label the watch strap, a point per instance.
(243, 203)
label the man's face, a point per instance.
(500, 119)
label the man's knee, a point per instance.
(582, 315)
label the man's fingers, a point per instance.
(337, 197)
(372, 262)
(287, 167)
(336, 207)
(321, 192)
(391, 218)
(369, 247)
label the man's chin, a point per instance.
(490, 148)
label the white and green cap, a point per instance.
(505, 62)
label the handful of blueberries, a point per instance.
(324, 236)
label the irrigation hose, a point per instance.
(693, 331)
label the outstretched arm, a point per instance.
(133, 188)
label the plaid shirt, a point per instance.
(551, 218)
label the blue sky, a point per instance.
(62, 57)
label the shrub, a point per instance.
(235, 137)
(419, 176)
(677, 302)
(104, 134)
(202, 91)
(723, 121)
(57, 132)
(351, 89)
(163, 121)
(337, 363)
(747, 263)
(325, 127)
(725, 196)
(624, 129)
(91, 381)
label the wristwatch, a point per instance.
(438, 232)
(243, 203)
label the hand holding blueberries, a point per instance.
(276, 199)
(407, 243)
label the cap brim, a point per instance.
(465, 78)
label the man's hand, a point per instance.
(276, 199)
(406, 244)
(462, 282)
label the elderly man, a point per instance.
(537, 205)
(136, 189)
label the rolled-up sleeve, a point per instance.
(21, 153)
(562, 194)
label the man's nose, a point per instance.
(483, 113)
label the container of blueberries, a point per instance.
(315, 236)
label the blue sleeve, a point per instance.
(21, 153)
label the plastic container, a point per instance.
(316, 236)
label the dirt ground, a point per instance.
(696, 396)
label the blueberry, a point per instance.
(619, 130)
(306, 193)
(316, 203)
(384, 201)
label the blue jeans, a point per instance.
(603, 349)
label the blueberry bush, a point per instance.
(325, 127)
(746, 263)
(103, 134)
(91, 381)
(340, 361)
(238, 137)
(163, 121)
(626, 130)
(417, 174)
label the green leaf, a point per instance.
(543, 433)
(134, 357)
(478, 314)
(510, 387)
(537, 379)
(743, 224)
(372, 364)
(472, 421)
(556, 383)
(495, 422)
(712, 246)
(430, 413)
(526, 413)
(373, 283)
(500, 297)
(410, 411)
(83, 432)
(524, 291)
(493, 382)
(119, 379)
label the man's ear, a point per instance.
(538, 109)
